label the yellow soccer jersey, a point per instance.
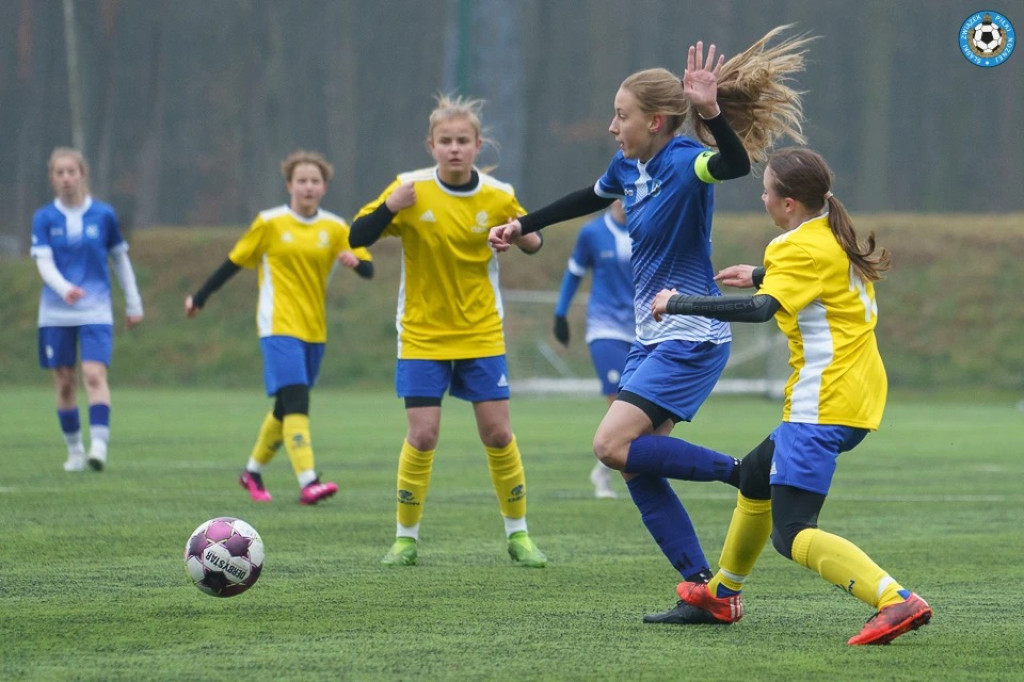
(449, 306)
(828, 314)
(294, 257)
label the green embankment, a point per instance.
(952, 314)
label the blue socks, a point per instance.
(667, 457)
(668, 523)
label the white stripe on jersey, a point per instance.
(265, 308)
(817, 342)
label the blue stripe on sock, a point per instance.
(69, 422)
(99, 415)
(668, 523)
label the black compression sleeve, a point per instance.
(222, 274)
(364, 269)
(756, 308)
(580, 202)
(731, 161)
(367, 229)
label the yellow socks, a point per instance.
(268, 441)
(297, 442)
(509, 479)
(845, 565)
(414, 467)
(748, 532)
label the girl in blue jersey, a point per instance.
(294, 248)
(73, 238)
(602, 246)
(665, 182)
(817, 283)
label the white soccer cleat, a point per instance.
(76, 461)
(601, 478)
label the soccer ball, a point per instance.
(987, 38)
(224, 556)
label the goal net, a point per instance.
(539, 364)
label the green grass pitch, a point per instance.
(92, 584)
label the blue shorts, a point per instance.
(475, 380)
(609, 358)
(675, 375)
(58, 346)
(288, 361)
(805, 454)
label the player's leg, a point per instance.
(58, 353)
(290, 369)
(421, 384)
(484, 382)
(268, 442)
(97, 346)
(800, 481)
(609, 358)
(745, 540)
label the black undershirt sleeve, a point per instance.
(226, 271)
(731, 161)
(364, 269)
(756, 308)
(573, 205)
(367, 229)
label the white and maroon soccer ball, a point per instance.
(224, 556)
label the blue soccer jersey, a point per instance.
(603, 246)
(80, 240)
(668, 215)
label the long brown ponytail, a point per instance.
(803, 175)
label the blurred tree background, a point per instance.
(185, 108)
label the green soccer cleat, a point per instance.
(402, 553)
(524, 552)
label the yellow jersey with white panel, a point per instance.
(449, 304)
(828, 314)
(293, 256)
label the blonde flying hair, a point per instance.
(802, 174)
(59, 152)
(300, 156)
(449, 107)
(753, 93)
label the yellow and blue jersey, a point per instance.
(828, 314)
(293, 256)
(449, 304)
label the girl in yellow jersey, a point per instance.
(294, 249)
(450, 336)
(817, 282)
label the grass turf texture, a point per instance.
(92, 584)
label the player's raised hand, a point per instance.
(700, 81)
(502, 237)
(404, 196)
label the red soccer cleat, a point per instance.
(893, 621)
(723, 609)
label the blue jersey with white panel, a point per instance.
(668, 215)
(80, 240)
(603, 246)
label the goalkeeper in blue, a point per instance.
(604, 248)
(817, 283)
